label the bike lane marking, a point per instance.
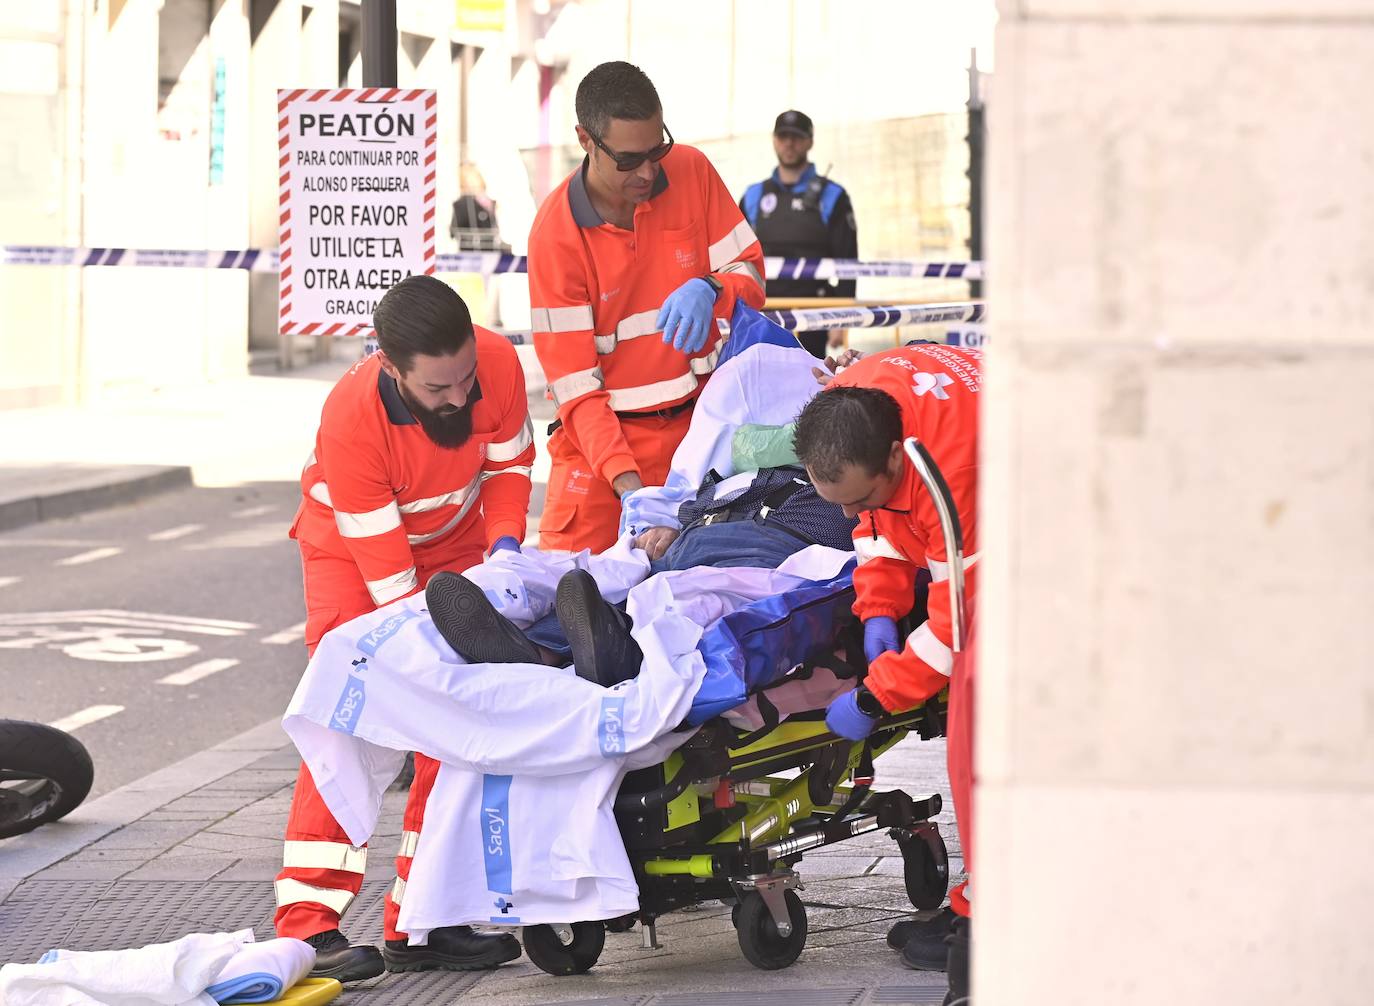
(285, 636)
(173, 533)
(93, 555)
(195, 672)
(85, 717)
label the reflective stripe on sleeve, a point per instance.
(576, 384)
(867, 547)
(398, 890)
(553, 320)
(324, 856)
(926, 645)
(728, 248)
(509, 450)
(293, 892)
(705, 364)
(744, 268)
(409, 841)
(319, 492)
(649, 396)
(525, 470)
(455, 497)
(939, 571)
(367, 525)
(387, 589)
(636, 325)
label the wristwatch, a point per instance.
(868, 702)
(715, 284)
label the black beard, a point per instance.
(798, 162)
(449, 427)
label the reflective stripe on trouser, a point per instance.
(426, 769)
(322, 872)
(580, 510)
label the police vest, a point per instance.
(793, 224)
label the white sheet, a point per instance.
(386, 683)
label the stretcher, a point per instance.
(730, 814)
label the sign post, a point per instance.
(356, 202)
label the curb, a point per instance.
(103, 487)
(28, 854)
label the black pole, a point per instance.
(379, 43)
(977, 150)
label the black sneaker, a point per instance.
(960, 958)
(598, 633)
(933, 929)
(452, 948)
(477, 631)
(336, 958)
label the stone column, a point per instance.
(1176, 720)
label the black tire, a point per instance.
(758, 933)
(552, 956)
(44, 775)
(925, 866)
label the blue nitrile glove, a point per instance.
(505, 542)
(687, 315)
(880, 636)
(844, 717)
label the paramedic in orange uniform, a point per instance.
(421, 464)
(850, 437)
(631, 260)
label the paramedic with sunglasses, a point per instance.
(631, 261)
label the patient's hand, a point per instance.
(656, 540)
(834, 364)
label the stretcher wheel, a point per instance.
(925, 865)
(545, 947)
(759, 940)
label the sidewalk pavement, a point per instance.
(194, 848)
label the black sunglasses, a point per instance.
(628, 162)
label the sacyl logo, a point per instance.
(933, 383)
(611, 728)
(372, 642)
(495, 819)
(349, 706)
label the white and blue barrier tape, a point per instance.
(482, 263)
(819, 318)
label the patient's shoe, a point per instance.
(932, 930)
(598, 633)
(336, 958)
(452, 948)
(476, 630)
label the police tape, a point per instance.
(822, 318)
(966, 319)
(480, 263)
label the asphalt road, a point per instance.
(157, 629)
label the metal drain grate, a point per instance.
(921, 995)
(41, 915)
(774, 997)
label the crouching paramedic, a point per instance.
(642, 239)
(421, 464)
(850, 437)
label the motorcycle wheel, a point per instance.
(44, 775)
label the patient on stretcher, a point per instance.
(736, 497)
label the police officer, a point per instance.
(799, 213)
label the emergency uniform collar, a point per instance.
(808, 173)
(396, 409)
(583, 212)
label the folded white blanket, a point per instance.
(261, 972)
(201, 969)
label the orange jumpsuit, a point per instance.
(623, 397)
(936, 388)
(383, 509)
